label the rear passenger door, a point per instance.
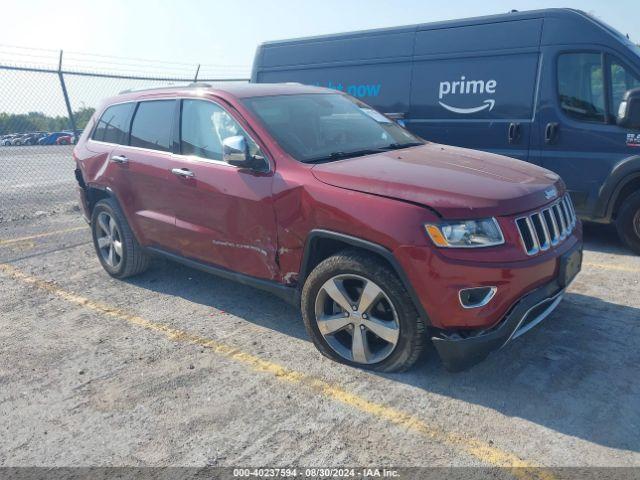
(141, 173)
(224, 214)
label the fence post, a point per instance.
(72, 120)
(195, 79)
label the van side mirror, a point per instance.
(629, 110)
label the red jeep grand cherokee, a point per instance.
(383, 240)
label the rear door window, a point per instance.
(151, 127)
(113, 126)
(581, 86)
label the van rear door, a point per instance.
(469, 90)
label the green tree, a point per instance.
(39, 122)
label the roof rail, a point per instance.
(143, 89)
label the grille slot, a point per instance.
(543, 229)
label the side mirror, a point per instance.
(629, 110)
(235, 151)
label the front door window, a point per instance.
(581, 86)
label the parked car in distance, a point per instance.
(383, 240)
(7, 139)
(52, 138)
(18, 140)
(558, 88)
(32, 138)
(65, 140)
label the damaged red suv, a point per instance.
(385, 241)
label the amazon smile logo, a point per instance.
(467, 87)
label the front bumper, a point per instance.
(459, 352)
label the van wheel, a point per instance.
(628, 222)
(118, 251)
(357, 312)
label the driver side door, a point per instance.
(224, 214)
(577, 136)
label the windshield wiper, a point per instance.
(397, 146)
(358, 153)
(340, 155)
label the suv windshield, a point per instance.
(328, 126)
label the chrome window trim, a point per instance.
(177, 155)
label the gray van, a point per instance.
(558, 88)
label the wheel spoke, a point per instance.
(359, 346)
(117, 246)
(103, 242)
(102, 223)
(385, 330)
(110, 259)
(336, 291)
(370, 293)
(112, 227)
(329, 324)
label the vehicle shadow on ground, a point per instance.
(603, 239)
(576, 373)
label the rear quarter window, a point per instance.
(113, 125)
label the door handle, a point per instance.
(514, 132)
(183, 172)
(550, 132)
(119, 159)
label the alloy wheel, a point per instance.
(357, 319)
(109, 240)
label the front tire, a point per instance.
(357, 312)
(117, 248)
(628, 222)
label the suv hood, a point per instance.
(456, 182)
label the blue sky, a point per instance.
(226, 32)
(221, 35)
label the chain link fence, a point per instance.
(46, 101)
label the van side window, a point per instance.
(113, 126)
(203, 128)
(151, 126)
(581, 86)
(622, 79)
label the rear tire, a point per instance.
(628, 222)
(117, 248)
(390, 329)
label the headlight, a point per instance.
(466, 233)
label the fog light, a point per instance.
(476, 297)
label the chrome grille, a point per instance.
(545, 228)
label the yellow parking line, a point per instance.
(478, 449)
(606, 266)
(40, 235)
